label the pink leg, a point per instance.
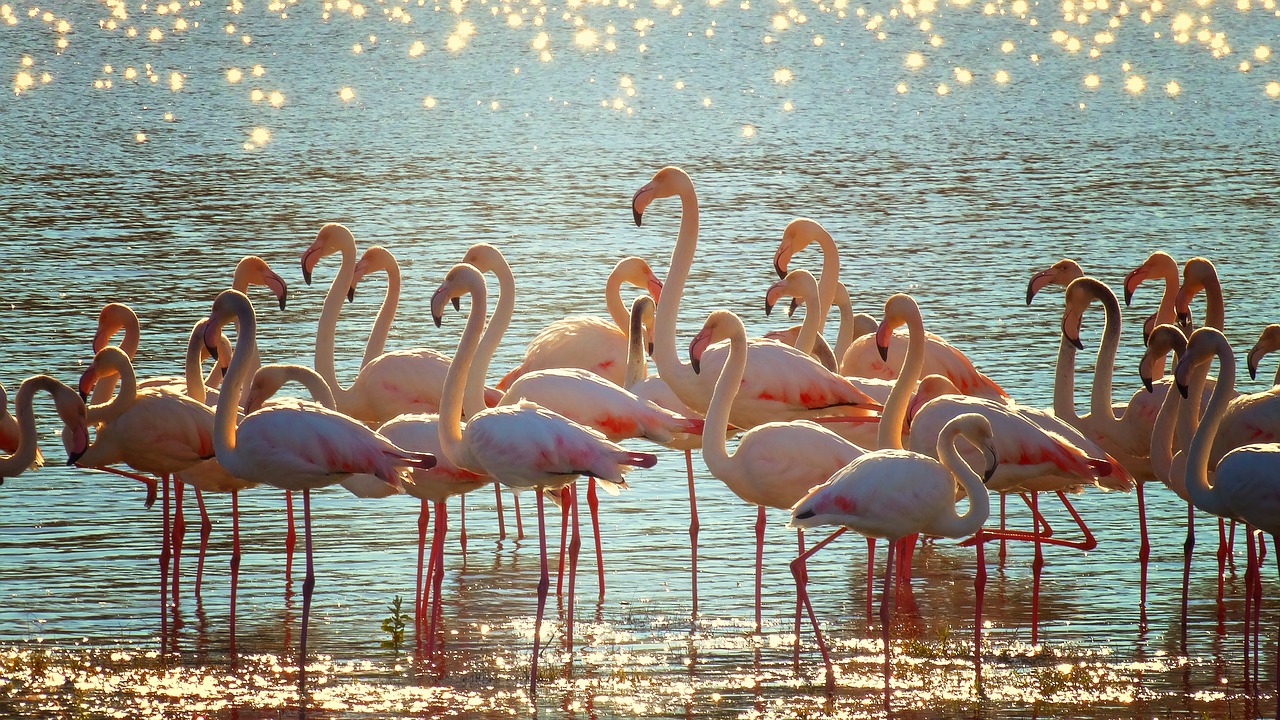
(515, 500)
(497, 501)
(1275, 544)
(235, 561)
(1037, 566)
(593, 504)
(205, 528)
(308, 587)
(1144, 547)
(1187, 546)
(1231, 547)
(421, 588)
(693, 528)
(290, 537)
(979, 589)
(564, 541)
(800, 571)
(1250, 568)
(884, 627)
(575, 544)
(543, 584)
(1257, 605)
(799, 604)
(165, 551)
(1222, 558)
(179, 532)
(1003, 497)
(462, 522)
(871, 573)
(759, 562)
(436, 576)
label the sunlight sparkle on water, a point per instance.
(346, 94)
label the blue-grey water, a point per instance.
(950, 148)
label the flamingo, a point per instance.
(1199, 274)
(652, 388)
(781, 383)
(11, 435)
(893, 494)
(24, 453)
(521, 445)
(1246, 486)
(115, 317)
(293, 448)
(1160, 266)
(1059, 273)
(589, 342)
(775, 463)
(1268, 342)
(801, 285)
(852, 325)
(390, 384)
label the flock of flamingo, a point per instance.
(885, 433)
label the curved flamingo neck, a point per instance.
(679, 376)
(1169, 416)
(278, 375)
(128, 322)
(613, 301)
(954, 524)
(117, 360)
(828, 279)
(450, 424)
(1197, 475)
(25, 453)
(636, 361)
(224, 416)
(815, 314)
(844, 335)
(1064, 384)
(191, 369)
(715, 431)
(1215, 314)
(327, 328)
(504, 308)
(1100, 407)
(386, 313)
(889, 435)
(1166, 313)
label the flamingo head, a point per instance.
(1080, 294)
(253, 270)
(485, 257)
(1158, 263)
(105, 364)
(461, 280)
(642, 316)
(1201, 346)
(720, 325)
(1196, 275)
(266, 382)
(798, 284)
(977, 430)
(1059, 273)
(113, 318)
(1164, 338)
(332, 238)
(375, 259)
(1268, 341)
(897, 309)
(75, 421)
(930, 387)
(635, 271)
(226, 308)
(666, 182)
(795, 237)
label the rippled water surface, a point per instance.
(951, 148)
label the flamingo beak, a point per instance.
(437, 303)
(1254, 357)
(87, 381)
(309, 263)
(696, 348)
(457, 304)
(782, 258)
(655, 287)
(1071, 329)
(1182, 305)
(1146, 377)
(795, 303)
(277, 286)
(993, 460)
(883, 333)
(1037, 282)
(1132, 281)
(640, 201)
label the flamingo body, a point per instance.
(591, 400)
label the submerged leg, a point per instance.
(693, 528)
(497, 501)
(422, 587)
(593, 504)
(1144, 546)
(235, 561)
(800, 572)
(543, 584)
(179, 532)
(1187, 546)
(308, 587)
(884, 627)
(206, 527)
(759, 561)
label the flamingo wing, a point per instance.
(584, 341)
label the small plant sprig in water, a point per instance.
(394, 624)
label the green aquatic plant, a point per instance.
(394, 625)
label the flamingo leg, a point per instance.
(593, 504)
(179, 532)
(235, 561)
(420, 589)
(694, 526)
(1257, 605)
(1250, 568)
(1003, 497)
(206, 526)
(800, 571)
(462, 522)
(575, 544)
(515, 500)
(564, 542)
(1144, 547)
(1037, 566)
(165, 550)
(290, 537)
(871, 573)
(308, 587)
(884, 627)
(1223, 550)
(1187, 546)
(1275, 544)
(1231, 547)
(759, 561)
(799, 604)
(436, 578)
(543, 584)
(979, 589)
(150, 482)
(497, 501)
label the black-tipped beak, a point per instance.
(351, 294)
(1031, 291)
(649, 349)
(1184, 318)
(282, 302)
(1252, 361)
(884, 352)
(212, 350)
(637, 216)
(1128, 295)
(697, 365)
(1073, 339)
(782, 272)
(306, 276)
(993, 461)
(436, 318)
(457, 304)
(73, 457)
(804, 515)
(795, 303)
(768, 307)
(1146, 382)
(1182, 390)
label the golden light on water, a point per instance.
(901, 88)
(346, 94)
(1172, 88)
(1262, 53)
(260, 136)
(1092, 81)
(140, 138)
(1272, 89)
(782, 76)
(22, 82)
(276, 98)
(234, 75)
(914, 60)
(176, 81)
(417, 48)
(963, 76)
(788, 106)
(256, 95)
(428, 102)
(259, 71)
(586, 38)
(1135, 84)
(943, 89)
(748, 131)
(1002, 77)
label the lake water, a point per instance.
(951, 149)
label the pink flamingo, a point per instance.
(801, 285)
(775, 463)
(1268, 342)
(588, 342)
(653, 389)
(293, 448)
(1060, 273)
(1245, 486)
(11, 435)
(522, 445)
(894, 494)
(852, 325)
(24, 454)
